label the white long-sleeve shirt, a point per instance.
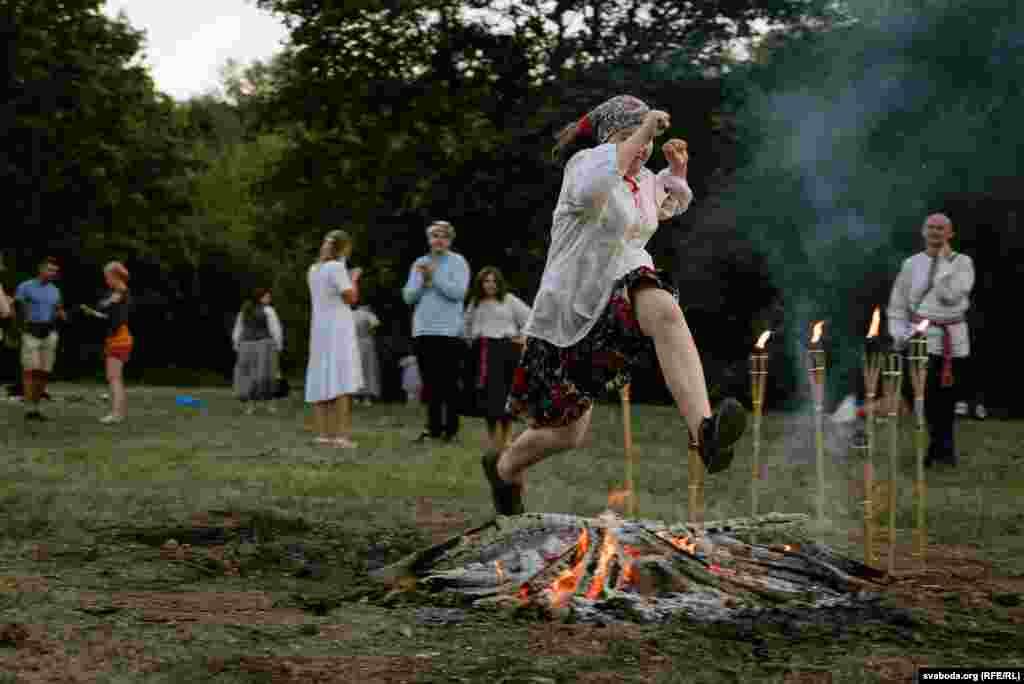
(948, 299)
(598, 235)
(491, 318)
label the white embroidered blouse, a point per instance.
(946, 300)
(599, 233)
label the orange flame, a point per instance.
(619, 497)
(787, 547)
(566, 583)
(876, 320)
(603, 561)
(922, 327)
(819, 327)
(684, 544)
(499, 568)
(763, 339)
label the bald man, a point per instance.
(936, 285)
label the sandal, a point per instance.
(508, 497)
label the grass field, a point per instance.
(275, 536)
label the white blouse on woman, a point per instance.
(599, 233)
(491, 318)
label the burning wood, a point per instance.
(608, 569)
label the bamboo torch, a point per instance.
(627, 442)
(893, 380)
(873, 359)
(758, 379)
(918, 376)
(816, 372)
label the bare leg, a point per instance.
(322, 418)
(343, 429)
(536, 444)
(662, 320)
(118, 396)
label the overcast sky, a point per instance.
(187, 41)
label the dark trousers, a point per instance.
(939, 405)
(440, 358)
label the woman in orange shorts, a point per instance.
(116, 309)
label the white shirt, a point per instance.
(491, 318)
(948, 299)
(598, 235)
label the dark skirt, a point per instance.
(488, 376)
(554, 386)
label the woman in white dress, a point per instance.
(366, 323)
(335, 371)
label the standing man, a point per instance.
(41, 308)
(436, 288)
(935, 285)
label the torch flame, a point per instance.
(876, 319)
(499, 568)
(763, 339)
(922, 327)
(819, 327)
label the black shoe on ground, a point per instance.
(719, 433)
(448, 439)
(508, 497)
(35, 415)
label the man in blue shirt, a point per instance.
(436, 288)
(40, 307)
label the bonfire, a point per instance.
(609, 569)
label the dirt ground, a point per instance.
(85, 615)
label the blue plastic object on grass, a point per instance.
(191, 402)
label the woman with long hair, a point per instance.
(258, 339)
(335, 370)
(494, 326)
(116, 309)
(601, 302)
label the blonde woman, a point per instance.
(335, 370)
(116, 309)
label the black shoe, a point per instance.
(35, 415)
(448, 439)
(508, 497)
(719, 433)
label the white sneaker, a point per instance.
(961, 408)
(249, 409)
(107, 420)
(980, 413)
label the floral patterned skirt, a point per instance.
(554, 386)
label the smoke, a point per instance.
(838, 183)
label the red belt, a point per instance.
(947, 345)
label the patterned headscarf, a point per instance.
(612, 116)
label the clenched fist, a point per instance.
(677, 156)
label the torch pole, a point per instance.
(695, 512)
(918, 376)
(627, 441)
(872, 368)
(816, 370)
(893, 386)
(758, 376)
